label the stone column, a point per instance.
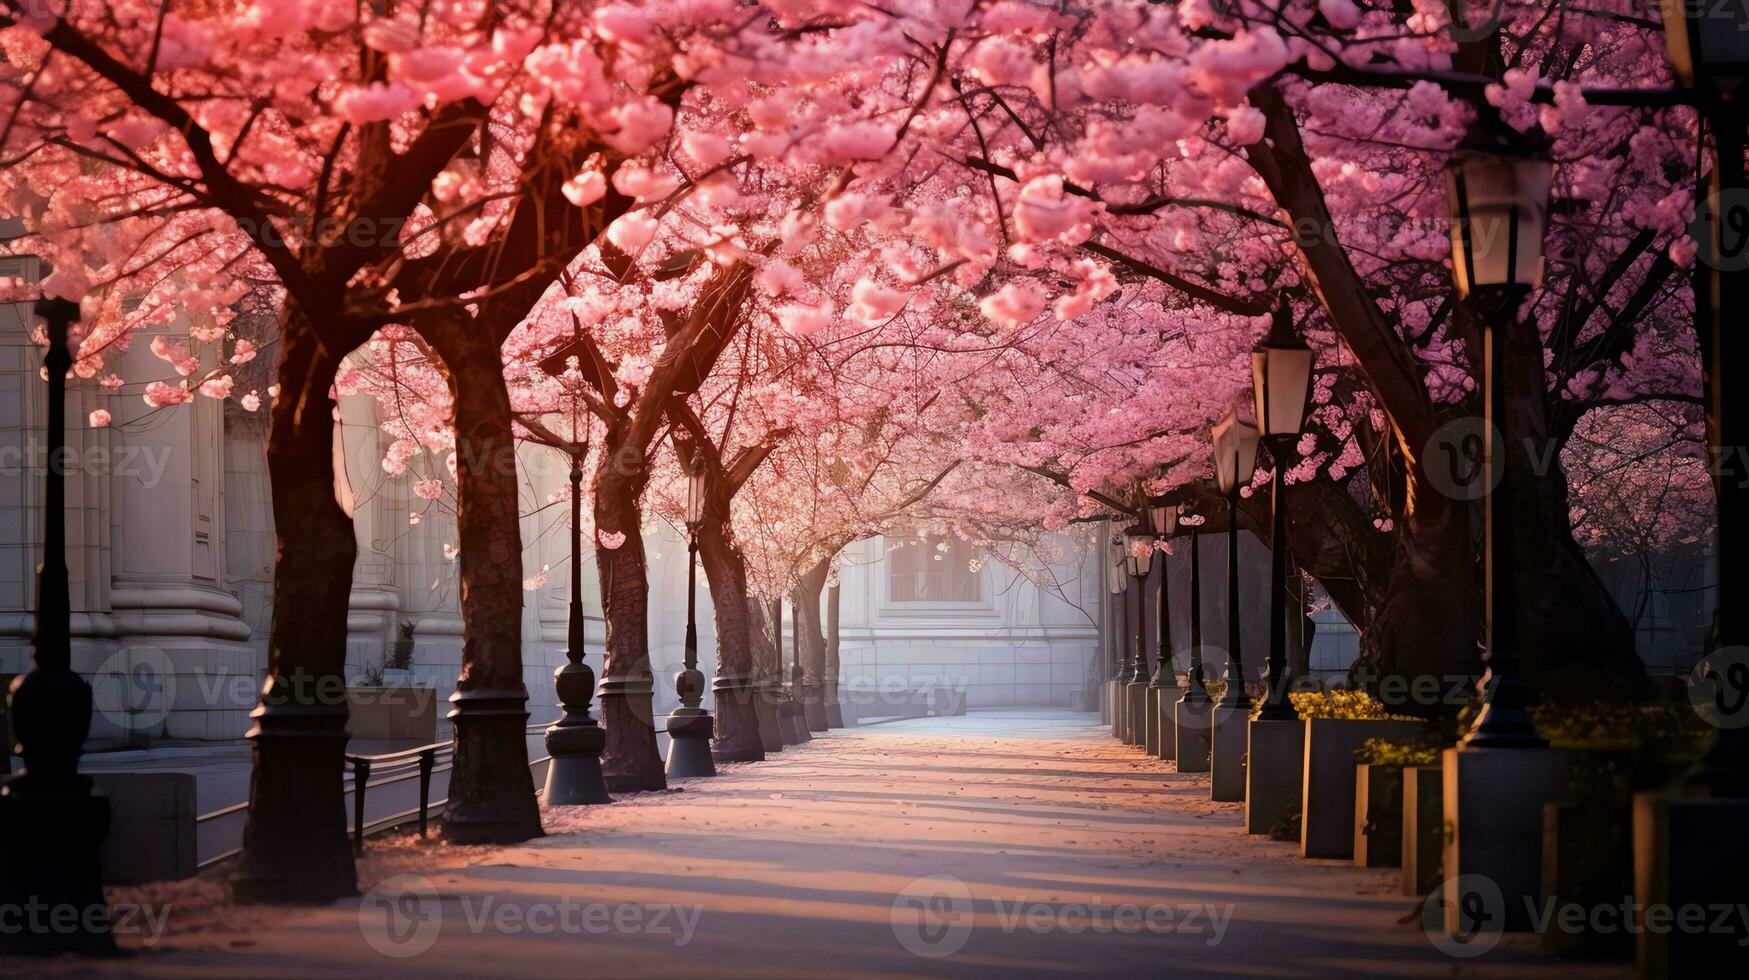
(167, 536)
(373, 611)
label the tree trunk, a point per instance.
(630, 762)
(1574, 639)
(491, 791)
(294, 840)
(768, 679)
(813, 643)
(737, 731)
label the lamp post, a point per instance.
(1162, 521)
(576, 740)
(51, 826)
(1235, 462)
(1281, 381)
(1195, 691)
(1139, 560)
(1117, 584)
(690, 726)
(1498, 198)
(1709, 55)
(789, 712)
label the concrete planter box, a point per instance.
(1423, 829)
(1191, 723)
(1378, 816)
(1231, 733)
(392, 713)
(1494, 801)
(1275, 761)
(151, 827)
(1162, 736)
(1327, 787)
(1687, 853)
(1135, 712)
(1588, 862)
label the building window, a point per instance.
(932, 569)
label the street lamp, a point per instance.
(1281, 382)
(1708, 44)
(1162, 521)
(791, 713)
(690, 726)
(1498, 200)
(575, 742)
(1195, 691)
(54, 826)
(1138, 561)
(1116, 583)
(1709, 52)
(1235, 462)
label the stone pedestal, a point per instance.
(1494, 802)
(1135, 725)
(1105, 703)
(1327, 792)
(1275, 768)
(1115, 691)
(1227, 754)
(1423, 828)
(1192, 720)
(1688, 854)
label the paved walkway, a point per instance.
(992, 845)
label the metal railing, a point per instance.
(419, 762)
(396, 764)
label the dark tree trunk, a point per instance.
(767, 672)
(809, 629)
(1575, 640)
(294, 841)
(491, 791)
(737, 734)
(630, 762)
(1429, 624)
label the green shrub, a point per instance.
(1338, 703)
(1389, 752)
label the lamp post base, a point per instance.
(689, 743)
(574, 775)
